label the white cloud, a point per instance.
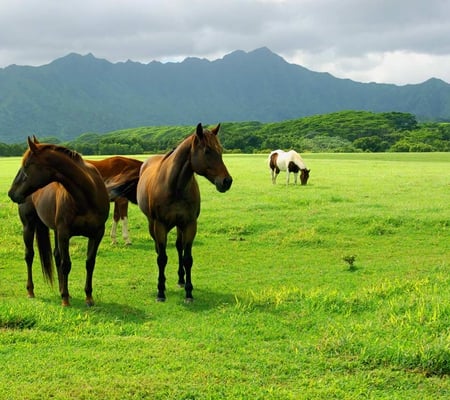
(402, 41)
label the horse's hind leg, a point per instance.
(123, 205)
(93, 245)
(116, 217)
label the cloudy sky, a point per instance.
(391, 41)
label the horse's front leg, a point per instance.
(179, 246)
(28, 237)
(159, 233)
(187, 259)
(93, 244)
(295, 177)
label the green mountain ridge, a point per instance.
(77, 94)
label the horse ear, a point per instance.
(32, 145)
(199, 130)
(35, 140)
(215, 131)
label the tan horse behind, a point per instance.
(56, 189)
(111, 169)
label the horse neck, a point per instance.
(180, 172)
(78, 182)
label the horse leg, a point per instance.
(123, 206)
(287, 177)
(57, 257)
(179, 246)
(116, 217)
(159, 234)
(188, 239)
(64, 267)
(93, 244)
(275, 174)
(274, 177)
(28, 217)
(28, 237)
(295, 177)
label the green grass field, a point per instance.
(278, 312)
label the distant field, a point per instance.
(278, 312)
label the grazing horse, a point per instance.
(56, 189)
(289, 161)
(168, 194)
(110, 168)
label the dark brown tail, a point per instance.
(127, 189)
(45, 251)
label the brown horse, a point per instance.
(168, 194)
(57, 189)
(111, 168)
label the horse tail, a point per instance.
(45, 251)
(127, 190)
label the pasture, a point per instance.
(278, 312)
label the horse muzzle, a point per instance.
(16, 197)
(222, 185)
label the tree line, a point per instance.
(346, 131)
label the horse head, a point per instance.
(31, 176)
(206, 158)
(304, 175)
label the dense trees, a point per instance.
(347, 131)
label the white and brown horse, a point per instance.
(289, 161)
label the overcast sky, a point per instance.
(390, 41)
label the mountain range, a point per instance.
(81, 93)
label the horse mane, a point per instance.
(209, 139)
(68, 152)
(75, 156)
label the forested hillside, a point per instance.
(77, 94)
(347, 131)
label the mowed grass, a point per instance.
(278, 312)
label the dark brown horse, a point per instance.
(56, 189)
(168, 194)
(111, 169)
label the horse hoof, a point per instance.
(65, 303)
(181, 285)
(31, 295)
(160, 299)
(189, 300)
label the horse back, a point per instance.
(56, 207)
(113, 166)
(158, 200)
